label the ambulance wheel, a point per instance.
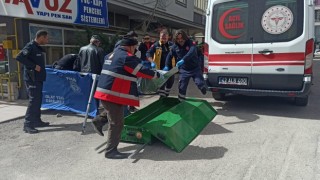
(301, 101)
(218, 96)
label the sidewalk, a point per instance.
(12, 110)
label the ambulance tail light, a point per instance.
(206, 60)
(308, 57)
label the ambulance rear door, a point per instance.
(279, 34)
(229, 40)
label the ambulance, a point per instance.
(260, 48)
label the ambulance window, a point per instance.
(230, 22)
(243, 21)
(278, 20)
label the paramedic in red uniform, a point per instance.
(117, 88)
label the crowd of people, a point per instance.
(118, 72)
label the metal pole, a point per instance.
(93, 87)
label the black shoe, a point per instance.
(98, 125)
(30, 130)
(204, 90)
(41, 124)
(115, 154)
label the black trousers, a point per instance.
(33, 114)
(184, 78)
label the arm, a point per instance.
(133, 66)
(101, 55)
(151, 52)
(140, 48)
(23, 57)
(169, 57)
(192, 52)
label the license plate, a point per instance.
(242, 81)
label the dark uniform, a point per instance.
(159, 52)
(117, 87)
(190, 67)
(30, 56)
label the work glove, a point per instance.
(153, 65)
(166, 68)
(179, 63)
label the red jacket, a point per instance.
(118, 80)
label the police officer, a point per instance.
(185, 52)
(157, 55)
(116, 89)
(32, 57)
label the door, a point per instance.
(230, 45)
(278, 45)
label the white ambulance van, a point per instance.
(260, 48)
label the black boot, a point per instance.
(98, 122)
(30, 130)
(204, 90)
(115, 154)
(41, 124)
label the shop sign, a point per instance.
(85, 12)
(1, 53)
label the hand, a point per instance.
(153, 65)
(37, 68)
(166, 68)
(179, 63)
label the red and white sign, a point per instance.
(1, 53)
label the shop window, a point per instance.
(121, 21)
(198, 18)
(55, 35)
(111, 18)
(74, 37)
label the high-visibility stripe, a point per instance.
(256, 57)
(114, 93)
(258, 64)
(113, 74)
(116, 99)
(136, 69)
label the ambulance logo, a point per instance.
(277, 19)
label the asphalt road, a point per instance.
(251, 138)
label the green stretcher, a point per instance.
(172, 122)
